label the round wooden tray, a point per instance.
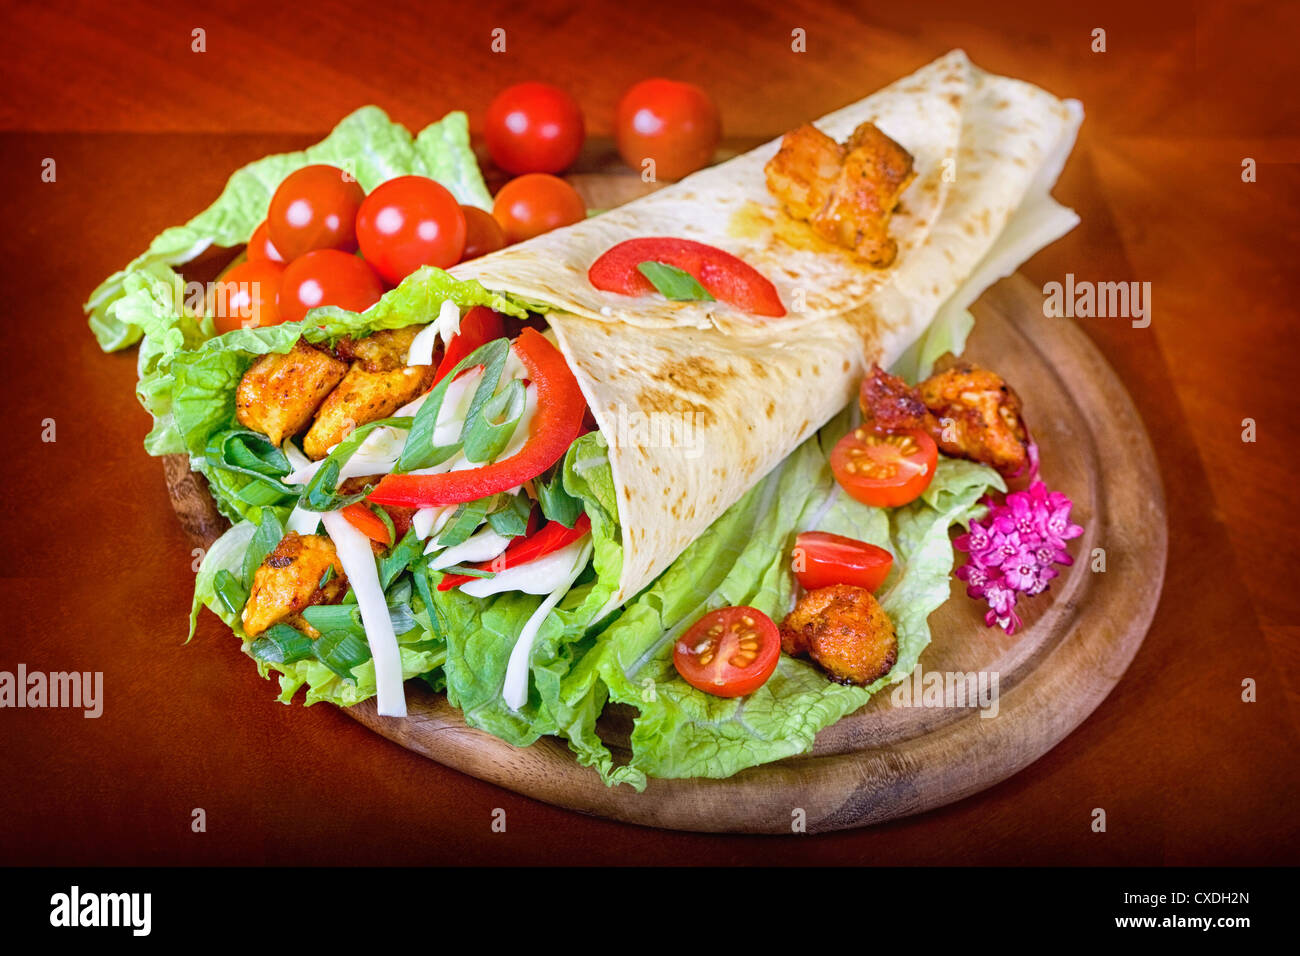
(887, 761)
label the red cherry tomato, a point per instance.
(327, 277)
(531, 205)
(822, 559)
(408, 222)
(246, 296)
(726, 277)
(314, 208)
(884, 471)
(260, 248)
(675, 124)
(482, 233)
(729, 652)
(533, 128)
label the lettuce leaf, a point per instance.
(743, 558)
(366, 143)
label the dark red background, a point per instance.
(97, 572)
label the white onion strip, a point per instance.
(359, 565)
(515, 689)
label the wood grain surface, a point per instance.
(145, 133)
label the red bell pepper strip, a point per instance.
(552, 537)
(556, 425)
(479, 327)
(367, 522)
(727, 278)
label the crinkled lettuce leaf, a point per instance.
(366, 143)
(743, 559)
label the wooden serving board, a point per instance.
(887, 761)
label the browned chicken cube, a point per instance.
(377, 384)
(848, 193)
(280, 392)
(804, 170)
(845, 631)
(289, 580)
(978, 417)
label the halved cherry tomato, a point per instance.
(533, 128)
(531, 205)
(479, 327)
(726, 278)
(560, 407)
(822, 559)
(327, 277)
(314, 208)
(408, 222)
(552, 537)
(367, 522)
(260, 247)
(482, 233)
(675, 124)
(246, 297)
(729, 652)
(884, 471)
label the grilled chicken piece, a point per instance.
(377, 384)
(978, 416)
(845, 631)
(845, 193)
(969, 411)
(289, 580)
(891, 405)
(804, 170)
(280, 392)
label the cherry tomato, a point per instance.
(482, 233)
(675, 124)
(260, 248)
(531, 205)
(408, 222)
(314, 208)
(533, 128)
(246, 296)
(729, 652)
(884, 471)
(327, 277)
(822, 559)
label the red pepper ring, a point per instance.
(726, 277)
(552, 537)
(558, 422)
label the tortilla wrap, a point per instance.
(698, 400)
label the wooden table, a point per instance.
(144, 132)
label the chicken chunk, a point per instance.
(289, 580)
(891, 405)
(845, 631)
(280, 393)
(978, 416)
(804, 170)
(848, 193)
(969, 411)
(377, 384)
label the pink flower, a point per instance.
(1016, 550)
